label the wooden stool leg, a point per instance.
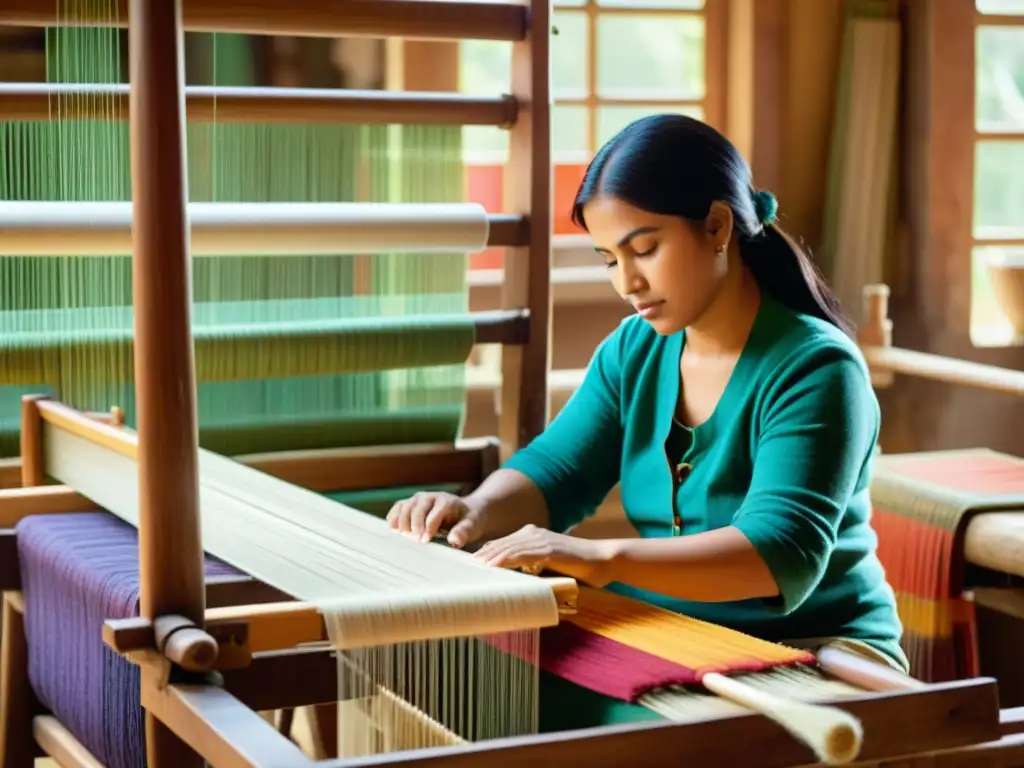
(18, 705)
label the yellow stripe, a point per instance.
(932, 618)
(680, 639)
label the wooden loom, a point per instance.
(177, 633)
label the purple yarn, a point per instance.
(77, 571)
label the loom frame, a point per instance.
(259, 659)
(185, 712)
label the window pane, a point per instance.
(990, 321)
(1012, 7)
(569, 55)
(640, 5)
(1000, 78)
(484, 144)
(485, 67)
(611, 120)
(650, 56)
(569, 134)
(999, 189)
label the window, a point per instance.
(998, 213)
(613, 61)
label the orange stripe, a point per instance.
(917, 557)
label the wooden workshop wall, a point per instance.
(934, 312)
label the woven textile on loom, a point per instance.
(921, 505)
(384, 337)
(623, 648)
(79, 570)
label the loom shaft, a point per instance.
(247, 229)
(224, 105)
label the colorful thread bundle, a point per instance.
(922, 504)
(624, 648)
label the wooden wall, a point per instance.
(937, 200)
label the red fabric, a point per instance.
(607, 666)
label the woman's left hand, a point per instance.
(535, 549)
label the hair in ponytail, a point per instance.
(676, 165)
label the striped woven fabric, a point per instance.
(921, 505)
(624, 648)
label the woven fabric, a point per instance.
(77, 571)
(624, 648)
(922, 503)
(606, 666)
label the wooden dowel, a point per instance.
(203, 104)
(834, 734)
(863, 673)
(184, 643)
(410, 19)
(950, 370)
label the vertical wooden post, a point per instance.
(170, 545)
(876, 329)
(33, 461)
(529, 182)
(18, 704)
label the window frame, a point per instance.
(984, 334)
(713, 101)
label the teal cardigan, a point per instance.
(786, 458)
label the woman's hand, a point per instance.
(426, 513)
(535, 549)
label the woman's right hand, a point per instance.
(426, 513)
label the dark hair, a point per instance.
(678, 166)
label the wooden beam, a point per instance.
(16, 503)
(224, 731)
(268, 683)
(412, 19)
(529, 189)
(52, 101)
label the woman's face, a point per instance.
(667, 268)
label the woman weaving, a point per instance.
(733, 408)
